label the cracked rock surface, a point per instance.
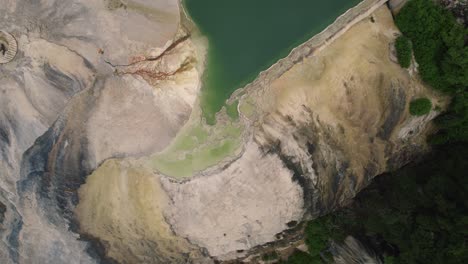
(63, 111)
(98, 87)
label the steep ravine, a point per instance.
(78, 134)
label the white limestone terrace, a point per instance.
(241, 207)
(64, 110)
(55, 74)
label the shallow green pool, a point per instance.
(247, 36)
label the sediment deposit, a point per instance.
(64, 110)
(99, 88)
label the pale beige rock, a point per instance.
(9, 46)
(350, 102)
(63, 46)
(240, 207)
(122, 204)
(144, 118)
(337, 116)
(136, 27)
(335, 110)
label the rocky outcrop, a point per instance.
(242, 206)
(329, 124)
(314, 137)
(131, 209)
(352, 251)
(64, 111)
(337, 115)
(8, 47)
(98, 87)
(459, 9)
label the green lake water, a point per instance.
(247, 36)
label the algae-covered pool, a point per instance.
(197, 148)
(247, 36)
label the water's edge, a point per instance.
(313, 45)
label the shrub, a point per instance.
(299, 257)
(420, 106)
(417, 214)
(440, 48)
(403, 48)
(270, 256)
(438, 43)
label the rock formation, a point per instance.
(8, 47)
(97, 88)
(64, 110)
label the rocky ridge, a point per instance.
(64, 108)
(85, 104)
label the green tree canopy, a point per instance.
(403, 48)
(420, 106)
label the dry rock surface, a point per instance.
(97, 88)
(64, 110)
(340, 115)
(240, 207)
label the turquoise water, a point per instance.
(247, 36)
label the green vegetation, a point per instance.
(270, 256)
(454, 123)
(439, 46)
(418, 214)
(247, 107)
(231, 110)
(420, 106)
(299, 257)
(421, 210)
(318, 234)
(197, 148)
(403, 48)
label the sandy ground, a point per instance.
(122, 200)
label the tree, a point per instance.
(299, 257)
(440, 48)
(403, 48)
(420, 106)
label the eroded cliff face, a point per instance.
(65, 108)
(339, 115)
(99, 88)
(322, 130)
(130, 208)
